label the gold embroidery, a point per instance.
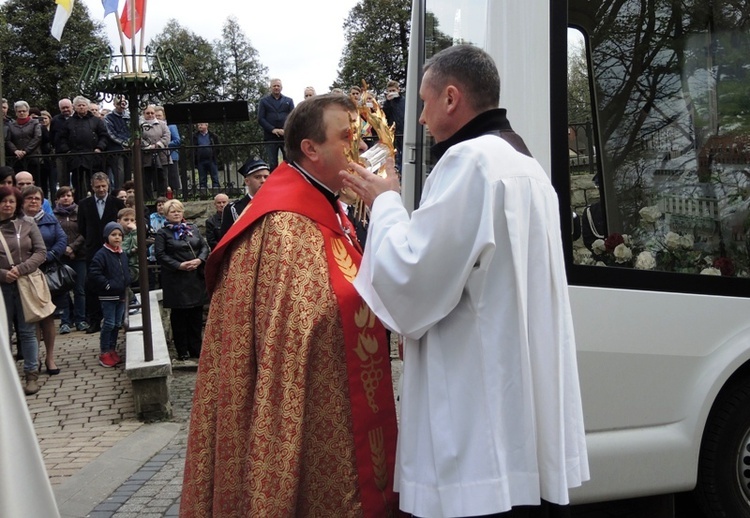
(377, 445)
(367, 347)
(344, 260)
(271, 428)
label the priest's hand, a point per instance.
(368, 185)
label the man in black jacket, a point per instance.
(273, 109)
(94, 212)
(256, 173)
(82, 133)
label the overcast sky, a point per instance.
(300, 41)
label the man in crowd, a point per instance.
(394, 108)
(206, 156)
(294, 412)
(118, 130)
(256, 173)
(55, 129)
(94, 212)
(273, 109)
(213, 224)
(491, 417)
(82, 133)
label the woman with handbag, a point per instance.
(21, 253)
(55, 242)
(66, 211)
(182, 252)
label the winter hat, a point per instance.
(111, 227)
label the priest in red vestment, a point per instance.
(293, 413)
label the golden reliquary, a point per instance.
(370, 116)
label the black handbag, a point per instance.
(61, 278)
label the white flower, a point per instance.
(598, 247)
(645, 261)
(687, 241)
(672, 240)
(710, 271)
(583, 256)
(650, 214)
(600, 263)
(626, 239)
(622, 253)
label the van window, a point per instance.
(660, 163)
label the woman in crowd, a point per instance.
(7, 176)
(55, 242)
(24, 140)
(47, 170)
(154, 141)
(182, 252)
(173, 172)
(27, 253)
(66, 212)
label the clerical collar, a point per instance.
(331, 196)
(486, 122)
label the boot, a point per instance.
(32, 383)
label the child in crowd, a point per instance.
(126, 218)
(158, 219)
(108, 277)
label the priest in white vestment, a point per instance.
(25, 489)
(491, 415)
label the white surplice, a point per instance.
(25, 489)
(491, 411)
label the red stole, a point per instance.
(367, 352)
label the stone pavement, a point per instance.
(104, 463)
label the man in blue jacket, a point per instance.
(273, 109)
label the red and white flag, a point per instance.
(130, 27)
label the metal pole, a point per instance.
(135, 128)
(2, 126)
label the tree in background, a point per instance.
(199, 61)
(377, 48)
(579, 96)
(243, 77)
(36, 67)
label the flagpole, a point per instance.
(143, 35)
(122, 42)
(132, 31)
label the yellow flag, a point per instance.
(64, 8)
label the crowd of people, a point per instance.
(294, 412)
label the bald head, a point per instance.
(220, 201)
(24, 179)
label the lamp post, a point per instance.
(137, 77)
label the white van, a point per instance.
(660, 294)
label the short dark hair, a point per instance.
(306, 122)
(6, 171)
(30, 190)
(62, 191)
(470, 67)
(7, 190)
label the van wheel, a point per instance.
(723, 488)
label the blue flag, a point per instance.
(110, 6)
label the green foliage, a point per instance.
(198, 59)
(377, 49)
(35, 66)
(227, 69)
